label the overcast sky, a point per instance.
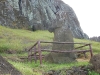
(88, 13)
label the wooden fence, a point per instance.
(35, 52)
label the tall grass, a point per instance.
(18, 40)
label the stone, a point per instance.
(7, 69)
(71, 71)
(95, 61)
(38, 15)
(62, 33)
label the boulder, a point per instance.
(7, 69)
(95, 61)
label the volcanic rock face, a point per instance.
(37, 15)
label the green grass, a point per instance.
(28, 68)
(95, 45)
(32, 68)
(19, 40)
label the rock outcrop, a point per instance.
(37, 15)
(95, 61)
(7, 69)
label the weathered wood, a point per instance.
(82, 46)
(32, 53)
(91, 52)
(64, 51)
(40, 53)
(55, 42)
(33, 46)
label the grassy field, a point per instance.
(18, 40)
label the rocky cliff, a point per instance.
(37, 15)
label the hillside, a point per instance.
(15, 42)
(18, 39)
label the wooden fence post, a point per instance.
(39, 51)
(35, 57)
(91, 52)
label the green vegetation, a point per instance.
(18, 41)
(29, 68)
(95, 45)
(93, 73)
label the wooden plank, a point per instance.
(33, 46)
(61, 42)
(63, 51)
(82, 46)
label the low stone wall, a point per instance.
(81, 70)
